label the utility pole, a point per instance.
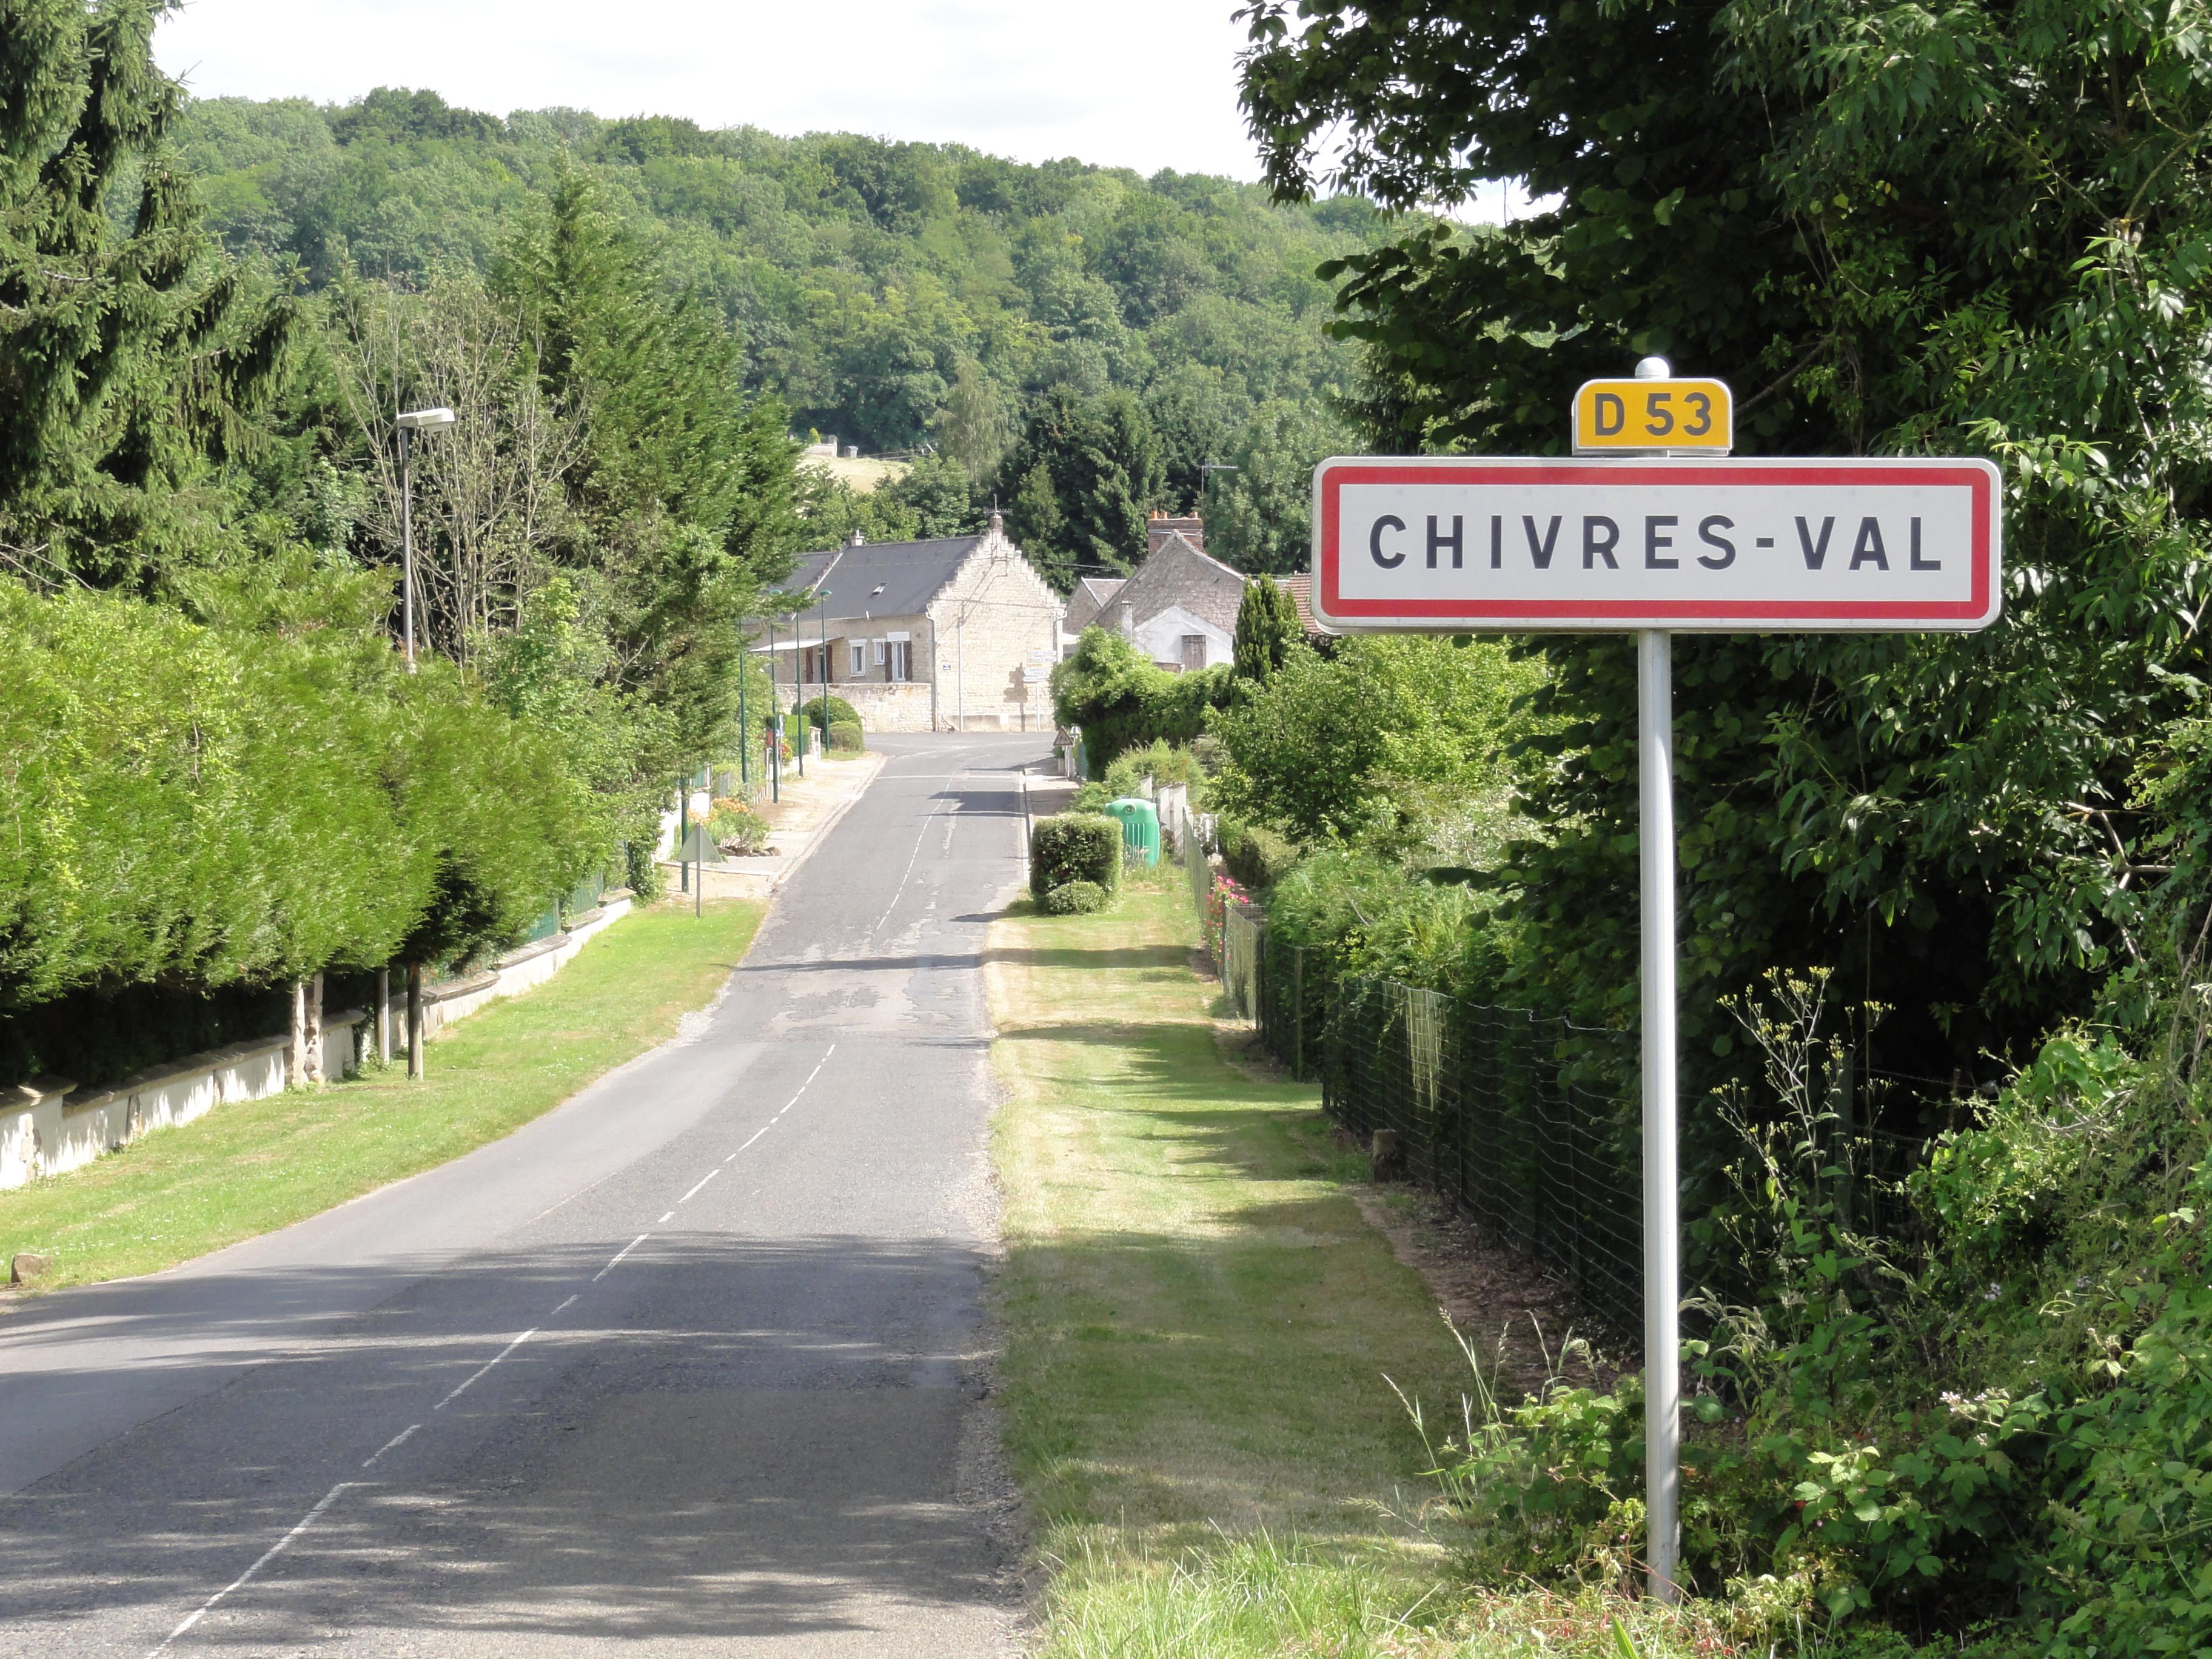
(744, 725)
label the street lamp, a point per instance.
(414, 420)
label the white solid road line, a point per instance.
(565, 1306)
(267, 1556)
(493, 1361)
(392, 1444)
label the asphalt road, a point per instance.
(694, 1364)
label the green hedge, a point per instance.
(1121, 701)
(847, 737)
(829, 712)
(1074, 898)
(1075, 846)
(1256, 856)
(198, 807)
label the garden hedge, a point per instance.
(1256, 856)
(197, 807)
(1075, 846)
(1074, 898)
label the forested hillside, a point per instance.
(1126, 332)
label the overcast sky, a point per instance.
(1139, 83)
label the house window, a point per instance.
(897, 663)
(859, 659)
(1194, 653)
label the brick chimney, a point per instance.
(1160, 527)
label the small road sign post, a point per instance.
(1651, 529)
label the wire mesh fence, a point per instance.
(1524, 1123)
(1481, 1104)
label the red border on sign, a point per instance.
(1721, 475)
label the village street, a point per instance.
(692, 1364)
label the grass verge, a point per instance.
(1199, 1322)
(1199, 1325)
(255, 1166)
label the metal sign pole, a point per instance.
(1663, 1388)
(1673, 535)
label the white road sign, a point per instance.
(1875, 545)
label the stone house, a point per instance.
(1179, 606)
(957, 634)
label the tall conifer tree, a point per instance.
(132, 356)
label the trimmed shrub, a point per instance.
(1256, 856)
(847, 737)
(1074, 898)
(828, 713)
(1075, 846)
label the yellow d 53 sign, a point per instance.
(1692, 417)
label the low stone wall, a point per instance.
(902, 706)
(48, 1125)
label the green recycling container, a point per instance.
(1141, 828)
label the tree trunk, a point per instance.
(415, 1021)
(312, 1030)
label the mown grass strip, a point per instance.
(1199, 1322)
(1198, 1325)
(258, 1165)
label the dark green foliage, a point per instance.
(1894, 239)
(1080, 482)
(134, 361)
(1267, 628)
(1122, 701)
(847, 737)
(1074, 846)
(825, 709)
(1259, 518)
(96, 1038)
(682, 507)
(878, 286)
(1256, 856)
(1074, 898)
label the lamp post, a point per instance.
(414, 420)
(409, 421)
